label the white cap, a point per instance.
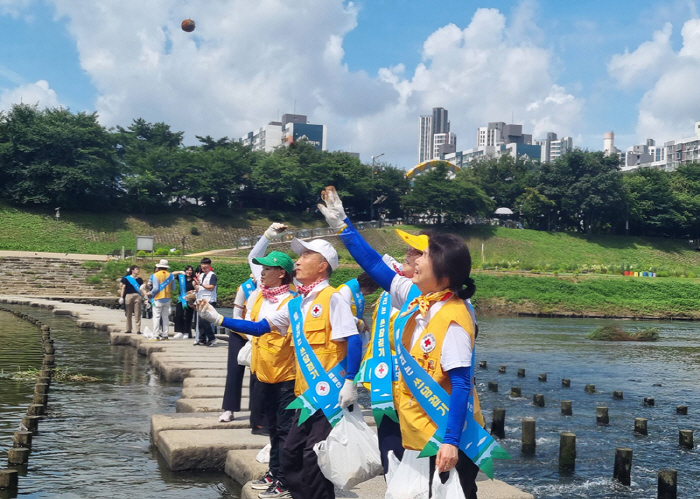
(163, 264)
(321, 246)
(392, 263)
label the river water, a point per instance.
(95, 441)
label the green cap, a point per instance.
(276, 259)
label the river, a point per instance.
(95, 441)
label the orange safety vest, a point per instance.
(162, 275)
(318, 332)
(416, 427)
(272, 358)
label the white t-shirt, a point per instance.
(267, 308)
(456, 347)
(258, 251)
(342, 320)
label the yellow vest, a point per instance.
(353, 307)
(318, 332)
(162, 275)
(272, 358)
(416, 426)
(368, 352)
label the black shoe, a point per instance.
(127, 332)
(264, 483)
(275, 491)
(260, 431)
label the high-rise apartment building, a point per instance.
(292, 128)
(553, 148)
(435, 139)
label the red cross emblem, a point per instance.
(427, 344)
(322, 388)
(316, 310)
(381, 370)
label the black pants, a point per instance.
(234, 373)
(276, 397)
(257, 403)
(183, 320)
(299, 461)
(206, 331)
(389, 436)
(466, 470)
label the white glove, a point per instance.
(209, 313)
(333, 209)
(121, 300)
(348, 394)
(275, 230)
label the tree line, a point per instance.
(53, 157)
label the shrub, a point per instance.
(614, 332)
(194, 230)
(93, 279)
(162, 252)
(141, 253)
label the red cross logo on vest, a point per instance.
(316, 311)
(381, 370)
(323, 388)
(427, 344)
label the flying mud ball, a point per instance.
(188, 25)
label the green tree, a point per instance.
(654, 207)
(503, 179)
(534, 207)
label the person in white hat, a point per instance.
(163, 285)
(329, 330)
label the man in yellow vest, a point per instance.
(163, 286)
(330, 332)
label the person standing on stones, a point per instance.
(206, 290)
(184, 313)
(163, 283)
(131, 297)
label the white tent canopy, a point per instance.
(503, 211)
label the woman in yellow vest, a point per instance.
(438, 333)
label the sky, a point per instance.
(365, 69)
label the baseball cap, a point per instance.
(321, 246)
(418, 242)
(276, 259)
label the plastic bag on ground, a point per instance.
(409, 478)
(147, 333)
(245, 354)
(451, 489)
(350, 454)
(264, 454)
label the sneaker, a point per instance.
(264, 483)
(163, 337)
(127, 332)
(226, 417)
(178, 336)
(276, 490)
(197, 343)
(260, 431)
(212, 343)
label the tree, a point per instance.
(503, 179)
(533, 206)
(653, 206)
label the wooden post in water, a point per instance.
(623, 465)
(685, 439)
(528, 437)
(502, 369)
(40, 398)
(35, 410)
(41, 388)
(682, 410)
(649, 401)
(601, 416)
(617, 395)
(567, 451)
(542, 377)
(566, 408)
(483, 364)
(18, 455)
(23, 439)
(515, 392)
(8, 479)
(538, 400)
(667, 487)
(521, 373)
(31, 422)
(590, 389)
(640, 426)
(498, 423)
(493, 386)
(565, 382)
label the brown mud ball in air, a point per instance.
(188, 25)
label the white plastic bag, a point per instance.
(147, 333)
(350, 454)
(451, 489)
(264, 454)
(245, 354)
(408, 479)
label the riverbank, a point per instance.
(192, 437)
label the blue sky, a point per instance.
(366, 69)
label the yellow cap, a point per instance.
(418, 242)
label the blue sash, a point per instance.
(475, 442)
(248, 287)
(357, 298)
(130, 279)
(324, 387)
(183, 286)
(379, 370)
(161, 287)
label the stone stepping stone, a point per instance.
(194, 421)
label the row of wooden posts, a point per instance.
(18, 455)
(667, 478)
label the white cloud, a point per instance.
(646, 63)
(31, 93)
(669, 107)
(247, 61)
(13, 8)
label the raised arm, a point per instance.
(260, 248)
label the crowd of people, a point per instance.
(309, 346)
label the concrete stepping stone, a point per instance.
(194, 421)
(192, 382)
(206, 405)
(204, 449)
(202, 392)
(176, 372)
(207, 373)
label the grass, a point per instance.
(60, 375)
(613, 332)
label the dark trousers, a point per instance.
(299, 461)
(206, 331)
(183, 320)
(389, 436)
(276, 397)
(257, 403)
(234, 373)
(466, 470)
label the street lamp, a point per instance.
(371, 205)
